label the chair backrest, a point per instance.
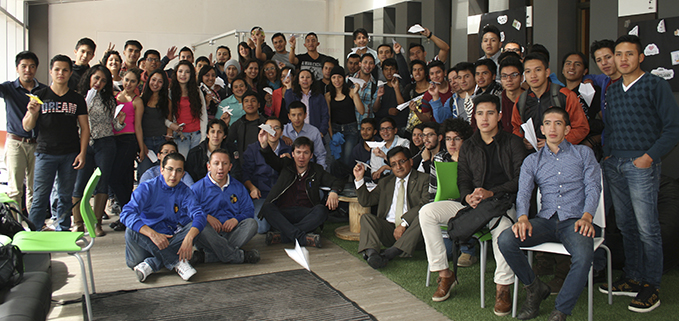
(600, 214)
(446, 181)
(86, 210)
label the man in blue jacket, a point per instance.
(230, 214)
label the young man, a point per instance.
(324, 83)
(454, 131)
(513, 46)
(642, 125)
(360, 152)
(416, 51)
(389, 96)
(511, 75)
(223, 55)
(454, 103)
(602, 53)
(539, 49)
(368, 91)
(167, 148)
(491, 44)
(485, 76)
(569, 179)
(163, 218)
(152, 58)
(215, 139)
(439, 90)
(361, 40)
(432, 144)
(312, 60)
(243, 131)
(294, 206)
(353, 64)
(489, 163)
(543, 94)
(297, 128)
(229, 213)
(131, 51)
(398, 198)
(84, 52)
(451, 76)
(378, 159)
(258, 176)
(281, 55)
(20, 144)
(61, 148)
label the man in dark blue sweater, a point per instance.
(642, 125)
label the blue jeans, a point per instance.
(46, 167)
(101, 155)
(634, 192)
(153, 144)
(262, 225)
(140, 248)
(351, 136)
(225, 246)
(190, 140)
(580, 247)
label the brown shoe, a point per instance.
(503, 303)
(78, 228)
(99, 231)
(445, 285)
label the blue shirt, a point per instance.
(224, 202)
(154, 172)
(312, 133)
(569, 181)
(16, 101)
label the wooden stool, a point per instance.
(351, 232)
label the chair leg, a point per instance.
(610, 273)
(88, 304)
(428, 276)
(515, 298)
(590, 294)
(484, 254)
(89, 262)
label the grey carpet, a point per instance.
(288, 295)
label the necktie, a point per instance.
(400, 198)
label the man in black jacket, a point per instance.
(196, 161)
(294, 206)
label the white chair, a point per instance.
(558, 248)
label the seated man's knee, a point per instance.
(507, 240)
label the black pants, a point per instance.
(295, 222)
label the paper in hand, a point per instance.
(219, 82)
(268, 90)
(360, 82)
(529, 133)
(398, 76)
(34, 97)
(288, 75)
(227, 110)
(416, 28)
(300, 255)
(366, 165)
(90, 96)
(376, 144)
(355, 49)
(587, 91)
(393, 42)
(404, 105)
(268, 129)
(118, 109)
(152, 156)
(381, 83)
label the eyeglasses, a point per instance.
(152, 59)
(175, 170)
(512, 75)
(269, 69)
(429, 135)
(277, 128)
(400, 162)
(517, 50)
(454, 139)
(386, 128)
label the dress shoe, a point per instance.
(503, 301)
(466, 260)
(377, 261)
(557, 315)
(99, 231)
(535, 293)
(445, 286)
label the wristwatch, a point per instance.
(404, 223)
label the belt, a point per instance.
(21, 139)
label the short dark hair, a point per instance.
(458, 125)
(468, 66)
(296, 104)
(303, 141)
(86, 42)
(488, 98)
(249, 93)
(508, 54)
(514, 42)
(168, 142)
(173, 156)
(560, 111)
(333, 61)
(152, 52)
(492, 29)
(360, 31)
(354, 55)
(62, 58)
(388, 120)
(540, 49)
(255, 28)
(582, 56)
(385, 45)
(419, 126)
(536, 56)
(217, 121)
(436, 64)
(133, 43)
(203, 59)
(277, 34)
(220, 151)
(26, 55)
(311, 34)
(398, 149)
(431, 125)
(630, 39)
(421, 63)
(489, 63)
(275, 118)
(389, 62)
(415, 45)
(512, 61)
(370, 121)
(224, 47)
(186, 49)
(600, 44)
(367, 55)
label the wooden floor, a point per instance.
(371, 290)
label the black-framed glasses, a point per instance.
(429, 135)
(399, 162)
(386, 128)
(512, 75)
(175, 170)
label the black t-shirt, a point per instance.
(315, 65)
(343, 111)
(494, 174)
(58, 122)
(389, 101)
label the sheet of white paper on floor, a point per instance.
(300, 255)
(152, 156)
(529, 133)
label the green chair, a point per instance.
(67, 242)
(446, 189)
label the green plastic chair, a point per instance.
(446, 189)
(66, 242)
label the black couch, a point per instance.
(31, 298)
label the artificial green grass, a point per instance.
(464, 303)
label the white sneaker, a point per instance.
(185, 270)
(143, 270)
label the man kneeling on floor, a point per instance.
(569, 180)
(399, 198)
(229, 209)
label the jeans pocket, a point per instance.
(640, 168)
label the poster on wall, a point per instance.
(512, 24)
(660, 42)
(635, 7)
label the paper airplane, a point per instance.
(117, 111)
(34, 97)
(398, 76)
(300, 255)
(288, 75)
(366, 165)
(416, 28)
(393, 42)
(152, 156)
(355, 49)
(360, 82)
(227, 110)
(268, 90)
(268, 129)
(529, 133)
(90, 96)
(404, 105)
(587, 91)
(381, 83)
(376, 144)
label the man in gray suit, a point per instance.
(398, 198)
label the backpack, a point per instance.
(11, 266)
(554, 91)
(9, 225)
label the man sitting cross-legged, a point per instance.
(569, 180)
(398, 198)
(230, 214)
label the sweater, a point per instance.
(231, 202)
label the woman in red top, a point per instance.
(188, 106)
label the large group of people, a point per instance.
(265, 142)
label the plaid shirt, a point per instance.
(368, 97)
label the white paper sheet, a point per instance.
(90, 96)
(219, 82)
(376, 144)
(587, 91)
(366, 165)
(404, 105)
(360, 82)
(393, 42)
(416, 28)
(381, 83)
(300, 255)
(287, 76)
(227, 110)
(370, 186)
(529, 133)
(117, 111)
(268, 129)
(268, 90)
(152, 156)
(398, 76)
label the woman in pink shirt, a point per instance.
(188, 106)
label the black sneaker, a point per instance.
(313, 239)
(197, 258)
(623, 286)
(272, 238)
(251, 256)
(647, 300)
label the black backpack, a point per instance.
(554, 91)
(11, 266)
(9, 225)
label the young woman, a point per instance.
(188, 107)
(344, 102)
(233, 102)
(157, 115)
(102, 148)
(113, 61)
(418, 69)
(244, 53)
(206, 80)
(251, 73)
(130, 139)
(302, 89)
(270, 75)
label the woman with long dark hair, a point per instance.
(303, 89)
(206, 79)
(188, 107)
(251, 73)
(344, 102)
(157, 116)
(244, 53)
(113, 61)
